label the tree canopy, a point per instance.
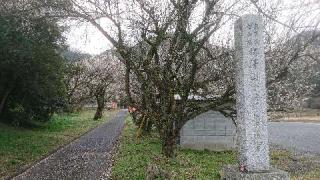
(31, 69)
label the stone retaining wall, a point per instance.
(210, 130)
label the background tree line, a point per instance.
(31, 69)
(38, 75)
(94, 80)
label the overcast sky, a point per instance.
(87, 39)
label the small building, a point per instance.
(210, 130)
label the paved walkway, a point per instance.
(86, 158)
(299, 137)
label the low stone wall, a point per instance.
(210, 130)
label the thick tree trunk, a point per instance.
(100, 102)
(170, 133)
(168, 138)
(168, 145)
(98, 114)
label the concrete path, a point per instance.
(299, 137)
(86, 158)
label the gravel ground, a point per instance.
(89, 157)
(298, 137)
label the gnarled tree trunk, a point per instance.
(168, 144)
(100, 97)
(169, 133)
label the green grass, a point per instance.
(20, 147)
(134, 157)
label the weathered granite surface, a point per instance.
(233, 173)
(251, 94)
(210, 130)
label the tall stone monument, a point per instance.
(252, 122)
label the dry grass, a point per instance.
(306, 116)
(300, 167)
(304, 119)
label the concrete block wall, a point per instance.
(210, 130)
